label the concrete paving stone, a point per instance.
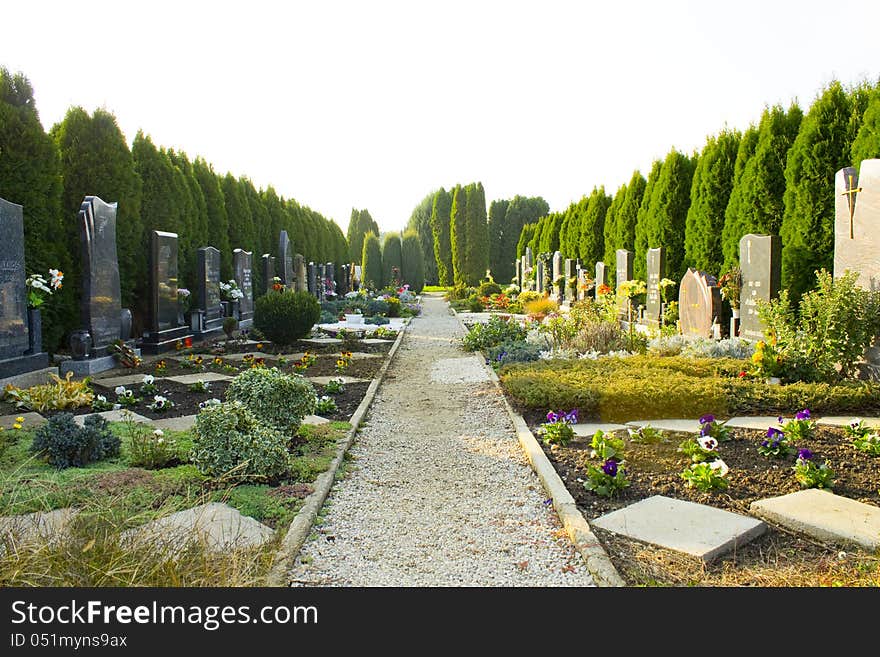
(120, 415)
(125, 380)
(588, 429)
(218, 525)
(315, 420)
(759, 422)
(671, 424)
(844, 420)
(696, 529)
(201, 376)
(324, 380)
(31, 420)
(43, 526)
(182, 423)
(322, 341)
(377, 340)
(825, 516)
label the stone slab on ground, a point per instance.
(377, 341)
(31, 420)
(202, 376)
(322, 341)
(28, 379)
(324, 380)
(757, 422)
(467, 369)
(120, 415)
(844, 420)
(41, 526)
(696, 529)
(672, 424)
(181, 423)
(588, 429)
(315, 420)
(825, 516)
(124, 380)
(89, 366)
(218, 525)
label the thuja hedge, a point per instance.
(650, 387)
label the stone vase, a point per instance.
(35, 331)
(125, 324)
(80, 344)
(227, 308)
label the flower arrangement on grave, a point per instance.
(709, 426)
(343, 362)
(775, 445)
(39, 289)
(160, 404)
(664, 285)
(230, 291)
(183, 299)
(731, 286)
(161, 367)
(276, 284)
(200, 386)
(766, 360)
(800, 428)
(125, 397)
(148, 385)
(126, 355)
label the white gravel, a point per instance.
(439, 492)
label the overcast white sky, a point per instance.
(374, 104)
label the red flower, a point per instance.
(188, 342)
(742, 374)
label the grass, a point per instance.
(436, 288)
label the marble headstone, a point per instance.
(299, 273)
(528, 257)
(285, 254)
(163, 279)
(268, 270)
(656, 272)
(556, 273)
(699, 303)
(101, 305)
(13, 297)
(624, 266)
(760, 260)
(857, 223)
(601, 278)
(242, 266)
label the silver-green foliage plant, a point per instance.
(727, 348)
(229, 439)
(280, 399)
(837, 322)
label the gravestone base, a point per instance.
(24, 364)
(246, 322)
(160, 342)
(100, 360)
(35, 374)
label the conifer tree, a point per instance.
(592, 238)
(196, 210)
(441, 209)
(391, 258)
(520, 211)
(612, 232)
(241, 221)
(628, 215)
(641, 230)
(458, 236)
(734, 213)
(372, 262)
(496, 227)
(411, 261)
(525, 236)
(420, 221)
(218, 220)
(477, 246)
(867, 142)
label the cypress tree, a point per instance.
(30, 175)
(391, 259)
(420, 221)
(96, 161)
(733, 221)
(866, 145)
(612, 231)
(525, 236)
(628, 215)
(440, 217)
(496, 227)
(667, 211)
(260, 232)
(710, 192)
(197, 220)
(458, 236)
(570, 233)
(820, 149)
(593, 227)
(241, 220)
(412, 268)
(477, 247)
(640, 230)
(520, 211)
(372, 262)
(218, 220)
(354, 237)
(535, 242)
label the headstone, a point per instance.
(285, 254)
(299, 273)
(570, 284)
(312, 279)
(699, 303)
(208, 269)
(539, 276)
(623, 272)
(518, 280)
(330, 280)
(13, 296)
(344, 280)
(100, 305)
(656, 272)
(163, 331)
(268, 270)
(528, 257)
(601, 278)
(856, 223)
(761, 264)
(556, 272)
(242, 264)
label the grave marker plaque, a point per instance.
(761, 264)
(656, 271)
(312, 279)
(699, 303)
(13, 296)
(101, 304)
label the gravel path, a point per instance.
(439, 492)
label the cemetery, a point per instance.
(699, 396)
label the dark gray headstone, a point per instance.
(760, 260)
(209, 286)
(344, 280)
(857, 223)
(699, 303)
(601, 277)
(13, 297)
(623, 266)
(285, 255)
(300, 274)
(539, 277)
(312, 279)
(268, 270)
(518, 280)
(163, 280)
(656, 272)
(100, 305)
(242, 268)
(330, 277)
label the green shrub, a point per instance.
(514, 351)
(228, 438)
(280, 399)
(376, 307)
(285, 317)
(67, 445)
(474, 304)
(494, 332)
(377, 320)
(489, 288)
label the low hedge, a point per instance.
(651, 387)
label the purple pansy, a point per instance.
(804, 454)
(803, 415)
(572, 416)
(707, 419)
(610, 468)
(775, 434)
(552, 417)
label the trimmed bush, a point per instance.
(67, 445)
(228, 438)
(285, 317)
(280, 399)
(513, 352)
(489, 288)
(494, 332)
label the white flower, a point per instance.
(158, 432)
(148, 379)
(120, 390)
(101, 398)
(854, 423)
(116, 407)
(209, 402)
(56, 277)
(874, 438)
(708, 443)
(721, 466)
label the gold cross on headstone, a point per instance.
(850, 194)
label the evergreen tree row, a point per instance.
(155, 189)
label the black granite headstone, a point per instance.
(761, 264)
(101, 304)
(285, 254)
(13, 296)
(242, 263)
(209, 287)
(268, 270)
(313, 279)
(163, 274)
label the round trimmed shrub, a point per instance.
(228, 438)
(287, 316)
(280, 399)
(67, 445)
(489, 288)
